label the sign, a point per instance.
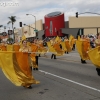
(10, 32)
(4, 34)
(35, 30)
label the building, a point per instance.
(82, 25)
(53, 23)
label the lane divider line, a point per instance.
(86, 86)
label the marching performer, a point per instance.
(52, 41)
(83, 46)
(3, 46)
(27, 49)
(34, 57)
(15, 66)
(97, 41)
(67, 44)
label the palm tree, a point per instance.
(0, 27)
(12, 20)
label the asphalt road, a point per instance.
(62, 79)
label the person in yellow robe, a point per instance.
(26, 48)
(16, 45)
(52, 41)
(34, 57)
(97, 42)
(85, 47)
(66, 40)
(3, 46)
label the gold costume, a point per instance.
(83, 46)
(34, 48)
(3, 47)
(97, 41)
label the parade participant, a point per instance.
(64, 46)
(3, 46)
(42, 49)
(52, 41)
(34, 48)
(26, 49)
(97, 41)
(67, 44)
(94, 55)
(83, 46)
(16, 45)
(83, 61)
(15, 66)
(37, 54)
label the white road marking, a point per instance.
(70, 81)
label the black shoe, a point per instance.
(39, 55)
(98, 71)
(36, 68)
(30, 87)
(67, 52)
(51, 56)
(54, 56)
(33, 68)
(83, 61)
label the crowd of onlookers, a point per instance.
(92, 40)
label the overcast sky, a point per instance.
(40, 8)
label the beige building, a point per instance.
(90, 24)
(28, 30)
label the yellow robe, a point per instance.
(83, 46)
(34, 48)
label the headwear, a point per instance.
(23, 37)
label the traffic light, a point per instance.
(4, 34)
(20, 24)
(10, 32)
(76, 14)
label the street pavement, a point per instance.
(64, 78)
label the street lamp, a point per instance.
(35, 20)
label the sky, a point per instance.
(40, 8)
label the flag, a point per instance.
(94, 55)
(79, 37)
(71, 38)
(57, 39)
(68, 46)
(82, 48)
(23, 37)
(64, 46)
(15, 67)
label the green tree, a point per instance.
(10, 40)
(0, 27)
(12, 20)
